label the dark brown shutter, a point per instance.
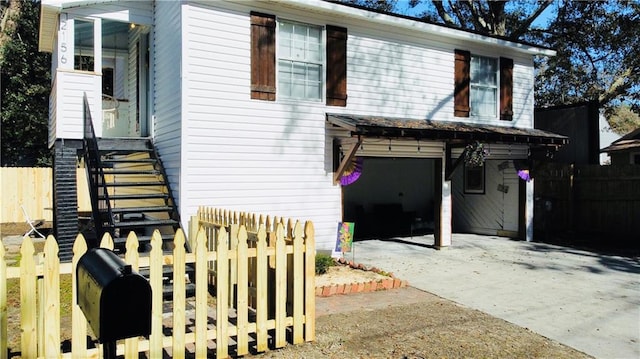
(263, 56)
(506, 89)
(462, 76)
(336, 66)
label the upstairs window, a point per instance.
(484, 86)
(300, 61)
(303, 64)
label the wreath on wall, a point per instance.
(475, 154)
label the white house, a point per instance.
(262, 106)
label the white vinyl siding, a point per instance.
(523, 93)
(275, 157)
(67, 102)
(258, 156)
(398, 79)
(390, 71)
(167, 96)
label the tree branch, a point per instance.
(443, 13)
(476, 17)
(459, 15)
(617, 88)
(522, 29)
(8, 24)
(497, 15)
(592, 62)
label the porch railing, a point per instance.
(95, 176)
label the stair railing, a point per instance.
(95, 175)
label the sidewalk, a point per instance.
(588, 301)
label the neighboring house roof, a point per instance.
(630, 141)
(376, 126)
(50, 9)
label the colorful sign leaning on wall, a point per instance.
(344, 240)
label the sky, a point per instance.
(402, 7)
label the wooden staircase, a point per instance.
(135, 195)
(130, 192)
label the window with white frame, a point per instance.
(300, 61)
(483, 95)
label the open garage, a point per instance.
(392, 197)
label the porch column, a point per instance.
(528, 210)
(97, 48)
(96, 113)
(443, 213)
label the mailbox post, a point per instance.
(115, 300)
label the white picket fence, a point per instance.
(264, 289)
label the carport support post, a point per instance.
(443, 204)
(528, 210)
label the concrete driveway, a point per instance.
(586, 300)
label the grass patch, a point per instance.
(323, 262)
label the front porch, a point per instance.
(100, 55)
(106, 58)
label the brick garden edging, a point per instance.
(361, 287)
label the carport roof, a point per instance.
(388, 127)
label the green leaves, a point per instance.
(26, 84)
(596, 60)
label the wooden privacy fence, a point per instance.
(241, 254)
(588, 199)
(31, 187)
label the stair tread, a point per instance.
(134, 184)
(167, 269)
(135, 196)
(111, 171)
(140, 209)
(128, 160)
(124, 144)
(107, 150)
(120, 241)
(149, 222)
(124, 152)
(167, 290)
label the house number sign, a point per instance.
(62, 47)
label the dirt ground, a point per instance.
(415, 324)
(12, 229)
(401, 323)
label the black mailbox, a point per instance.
(115, 300)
